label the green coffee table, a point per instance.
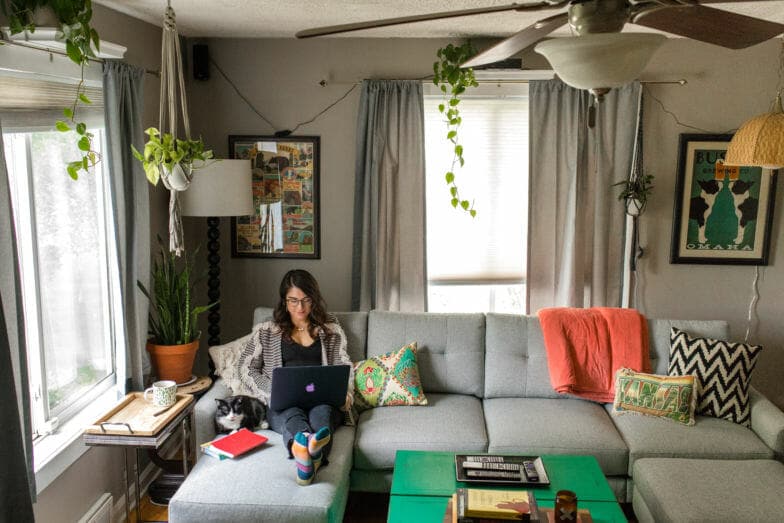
(423, 482)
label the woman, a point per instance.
(300, 333)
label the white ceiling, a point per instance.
(283, 18)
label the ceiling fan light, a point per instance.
(600, 60)
(760, 141)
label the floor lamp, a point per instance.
(222, 188)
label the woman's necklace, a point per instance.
(302, 329)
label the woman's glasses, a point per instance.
(306, 301)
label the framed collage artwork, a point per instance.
(285, 195)
(723, 214)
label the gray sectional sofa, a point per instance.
(488, 389)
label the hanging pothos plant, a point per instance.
(453, 82)
(635, 192)
(74, 17)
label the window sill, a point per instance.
(57, 451)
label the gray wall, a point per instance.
(725, 89)
(100, 469)
(281, 77)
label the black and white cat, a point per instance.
(236, 412)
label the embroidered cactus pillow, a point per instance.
(389, 380)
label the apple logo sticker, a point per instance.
(310, 387)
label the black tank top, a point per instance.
(295, 355)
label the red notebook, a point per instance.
(239, 443)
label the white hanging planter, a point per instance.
(177, 178)
(634, 206)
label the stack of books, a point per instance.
(470, 505)
(233, 445)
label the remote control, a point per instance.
(493, 474)
(486, 465)
(530, 471)
(485, 459)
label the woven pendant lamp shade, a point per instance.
(760, 141)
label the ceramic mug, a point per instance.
(164, 393)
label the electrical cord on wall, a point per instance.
(753, 303)
(284, 132)
(675, 116)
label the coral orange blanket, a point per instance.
(586, 346)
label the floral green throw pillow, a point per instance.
(669, 397)
(388, 380)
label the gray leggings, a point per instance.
(292, 420)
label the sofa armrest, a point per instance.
(767, 421)
(205, 411)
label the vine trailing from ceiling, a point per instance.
(80, 37)
(453, 82)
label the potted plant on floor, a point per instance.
(174, 337)
(170, 158)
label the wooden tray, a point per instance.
(135, 416)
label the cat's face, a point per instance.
(229, 413)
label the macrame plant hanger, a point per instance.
(172, 90)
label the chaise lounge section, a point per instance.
(488, 389)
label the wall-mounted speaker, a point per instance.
(201, 62)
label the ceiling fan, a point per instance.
(687, 18)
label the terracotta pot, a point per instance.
(173, 362)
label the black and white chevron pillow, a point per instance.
(723, 370)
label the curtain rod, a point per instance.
(7, 41)
(325, 82)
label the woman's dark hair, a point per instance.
(305, 282)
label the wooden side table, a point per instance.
(136, 424)
(163, 487)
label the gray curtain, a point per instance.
(389, 199)
(17, 480)
(576, 222)
(122, 93)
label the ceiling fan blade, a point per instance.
(372, 24)
(710, 25)
(518, 41)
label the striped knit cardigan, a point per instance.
(262, 353)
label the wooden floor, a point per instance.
(361, 508)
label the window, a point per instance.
(69, 270)
(478, 264)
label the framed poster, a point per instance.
(723, 214)
(285, 196)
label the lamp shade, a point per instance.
(760, 141)
(600, 60)
(221, 188)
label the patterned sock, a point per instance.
(316, 443)
(299, 448)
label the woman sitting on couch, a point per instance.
(301, 333)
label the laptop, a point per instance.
(309, 385)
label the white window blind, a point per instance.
(490, 248)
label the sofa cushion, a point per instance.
(516, 362)
(262, 487)
(659, 331)
(555, 426)
(708, 438)
(705, 490)
(391, 379)
(667, 397)
(449, 422)
(723, 370)
(450, 347)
